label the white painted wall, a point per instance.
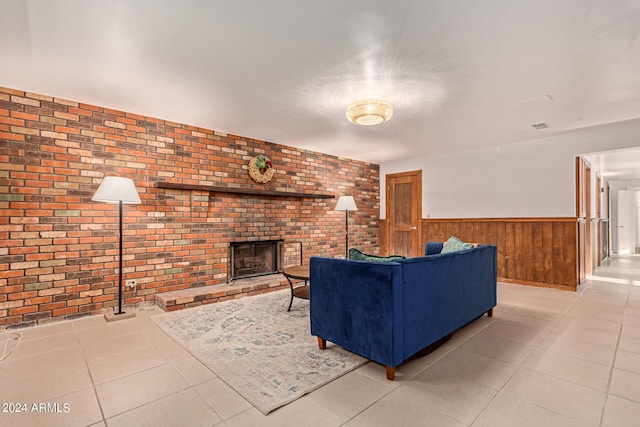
(524, 179)
(614, 188)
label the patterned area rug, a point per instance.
(263, 352)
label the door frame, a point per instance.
(588, 248)
(598, 214)
(582, 186)
(608, 216)
(417, 202)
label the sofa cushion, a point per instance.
(433, 248)
(455, 244)
(355, 254)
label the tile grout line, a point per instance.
(520, 366)
(444, 355)
(416, 374)
(615, 354)
(86, 364)
(191, 387)
(94, 385)
(212, 408)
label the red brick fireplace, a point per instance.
(58, 249)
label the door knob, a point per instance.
(413, 227)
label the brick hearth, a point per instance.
(193, 297)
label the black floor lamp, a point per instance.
(115, 189)
(346, 204)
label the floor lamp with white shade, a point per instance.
(346, 204)
(115, 189)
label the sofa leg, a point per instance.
(391, 373)
(490, 312)
(322, 343)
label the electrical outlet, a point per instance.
(132, 283)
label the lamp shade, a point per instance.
(114, 189)
(346, 203)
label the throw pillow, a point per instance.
(361, 256)
(455, 244)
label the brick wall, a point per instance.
(59, 250)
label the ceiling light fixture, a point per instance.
(369, 111)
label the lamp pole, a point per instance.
(346, 235)
(120, 260)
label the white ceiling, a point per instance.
(617, 165)
(460, 74)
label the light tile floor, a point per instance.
(546, 358)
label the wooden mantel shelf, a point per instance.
(232, 190)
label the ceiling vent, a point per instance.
(539, 126)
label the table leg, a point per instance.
(291, 286)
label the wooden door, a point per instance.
(404, 212)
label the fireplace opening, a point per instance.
(250, 259)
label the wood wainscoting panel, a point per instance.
(531, 251)
(382, 237)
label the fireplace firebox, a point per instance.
(250, 259)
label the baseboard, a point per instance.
(539, 284)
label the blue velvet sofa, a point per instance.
(389, 311)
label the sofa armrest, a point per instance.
(446, 291)
(358, 306)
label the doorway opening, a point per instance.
(615, 202)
